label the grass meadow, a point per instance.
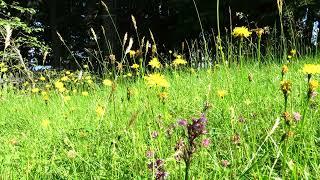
(226, 122)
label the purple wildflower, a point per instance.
(183, 122)
(296, 116)
(154, 134)
(206, 142)
(314, 94)
(225, 163)
(158, 167)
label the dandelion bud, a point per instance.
(284, 70)
(286, 87)
(287, 117)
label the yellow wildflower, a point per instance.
(62, 89)
(286, 86)
(156, 80)
(313, 85)
(179, 61)
(64, 78)
(285, 69)
(2, 64)
(68, 72)
(48, 86)
(129, 75)
(135, 66)
(241, 32)
(154, 63)
(89, 81)
(45, 97)
(259, 32)
(42, 78)
(132, 53)
(222, 93)
(4, 69)
(107, 82)
(85, 93)
(293, 52)
(58, 84)
(25, 84)
(100, 111)
(35, 90)
(289, 57)
(311, 69)
(45, 123)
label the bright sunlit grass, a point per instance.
(134, 127)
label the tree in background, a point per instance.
(20, 34)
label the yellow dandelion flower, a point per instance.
(100, 111)
(311, 69)
(45, 123)
(132, 53)
(90, 81)
(4, 69)
(129, 75)
(25, 84)
(45, 97)
(293, 52)
(48, 86)
(35, 90)
(63, 89)
(179, 61)
(42, 78)
(154, 63)
(156, 80)
(64, 78)
(135, 66)
(241, 32)
(107, 82)
(59, 84)
(85, 93)
(222, 93)
(313, 85)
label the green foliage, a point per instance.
(18, 19)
